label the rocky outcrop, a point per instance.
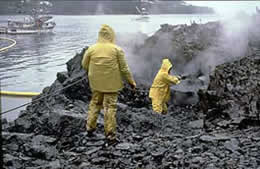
(233, 91)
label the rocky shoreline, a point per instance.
(124, 7)
(205, 134)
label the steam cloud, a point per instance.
(232, 43)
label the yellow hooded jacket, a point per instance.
(160, 89)
(105, 63)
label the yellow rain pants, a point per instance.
(159, 106)
(107, 101)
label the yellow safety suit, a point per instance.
(160, 89)
(106, 67)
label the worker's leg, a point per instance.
(94, 108)
(165, 109)
(110, 100)
(157, 106)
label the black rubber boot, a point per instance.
(91, 133)
(111, 142)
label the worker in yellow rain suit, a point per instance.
(106, 65)
(160, 89)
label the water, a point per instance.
(34, 62)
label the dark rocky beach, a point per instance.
(212, 125)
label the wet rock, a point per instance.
(177, 135)
(159, 152)
(117, 153)
(197, 160)
(96, 137)
(65, 120)
(93, 150)
(137, 137)
(80, 149)
(12, 162)
(232, 145)
(187, 143)
(236, 121)
(51, 165)
(95, 144)
(73, 66)
(100, 160)
(23, 124)
(124, 146)
(223, 124)
(207, 138)
(139, 156)
(62, 76)
(179, 154)
(122, 107)
(257, 139)
(196, 124)
(196, 150)
(84, 165)
(4, 123)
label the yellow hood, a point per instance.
(166, 65)
(106, 34)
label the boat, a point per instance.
(142, 10)
(143, 13)
(31, 25)
(37, 20)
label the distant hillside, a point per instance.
(77, 7)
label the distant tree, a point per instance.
(32, 7)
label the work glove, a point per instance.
(179, 77)
(132, 85)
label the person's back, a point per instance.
(106, 65)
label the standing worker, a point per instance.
(160, 89)
(105, 64)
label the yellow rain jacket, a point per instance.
(105, 63)
(160, 89)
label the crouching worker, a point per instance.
(106, 65)
(160, 89)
